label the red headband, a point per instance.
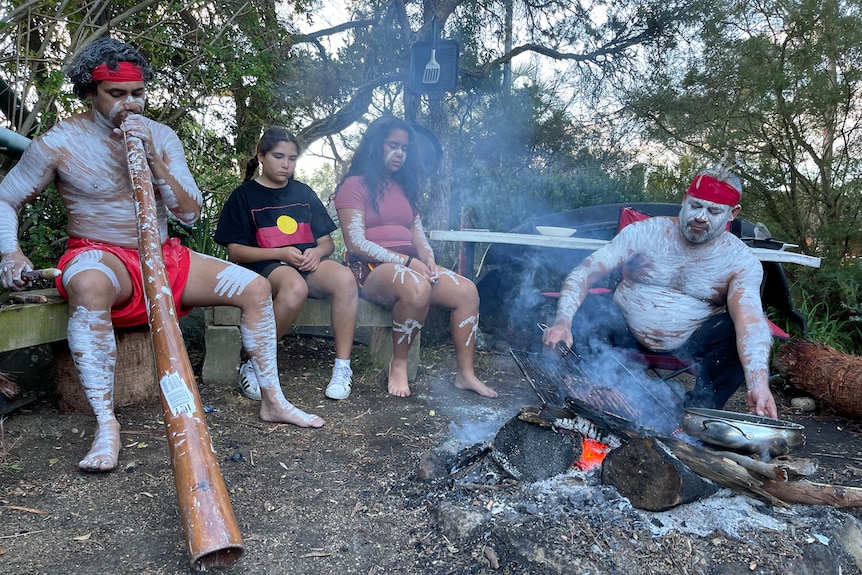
(710, 189)
(125, 72)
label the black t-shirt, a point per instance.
(262, 217)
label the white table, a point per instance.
(575, 243)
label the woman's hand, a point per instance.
(433, 274)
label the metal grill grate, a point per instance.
(555, 378)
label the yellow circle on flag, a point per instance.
(286, 225)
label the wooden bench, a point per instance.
(35, 323)
(41, 322)
(223, 344)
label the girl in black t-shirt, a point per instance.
(279, 228)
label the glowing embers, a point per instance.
(592, 454)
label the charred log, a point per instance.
(721, 469)
(644, 471)
(531, 452)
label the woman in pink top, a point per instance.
(391, 257)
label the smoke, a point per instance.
(610, 381)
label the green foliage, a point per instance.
(830, 299)
(42, 229)
(775, 86)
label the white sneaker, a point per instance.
(247, 381)
(339, 384)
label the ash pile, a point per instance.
(579, 485)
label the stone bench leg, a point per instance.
(380, 350)
(223, 345)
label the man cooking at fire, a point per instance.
(689, 288)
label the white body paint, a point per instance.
(419, 237)
(89, 260)
(473, 321)
(673, 285)
(233, 279)
(406, 329)
(402, 272)
(94, 350)
(259, 341)
(371, 250)
(87, 162)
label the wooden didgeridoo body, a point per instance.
(211, 530)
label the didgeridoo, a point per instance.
(212, 534)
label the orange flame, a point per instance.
(592, 454)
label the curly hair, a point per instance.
(271, 138)
(103, 51)
(368, 162)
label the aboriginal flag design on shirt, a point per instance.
(280, 226)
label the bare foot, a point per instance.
(398, 384)
(282, 411)
(473, 383)
(105, 451)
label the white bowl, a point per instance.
(558, 232)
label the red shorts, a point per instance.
(134, 311)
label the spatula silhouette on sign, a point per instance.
(432, 68)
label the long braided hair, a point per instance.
(271, 138)
(103, 51)
(368, 162)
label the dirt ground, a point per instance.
(347, 498)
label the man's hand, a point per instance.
(555, 334)
(133, 125)
(11, 267)
(760, 402)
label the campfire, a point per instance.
(629, 431)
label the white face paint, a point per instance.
(701, 221)
(395, 150)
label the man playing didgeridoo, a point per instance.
(84, 156)
(690, 288)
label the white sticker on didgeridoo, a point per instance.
(177, 394)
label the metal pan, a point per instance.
(743, 431)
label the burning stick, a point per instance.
(42, 274)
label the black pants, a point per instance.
(599, 324)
